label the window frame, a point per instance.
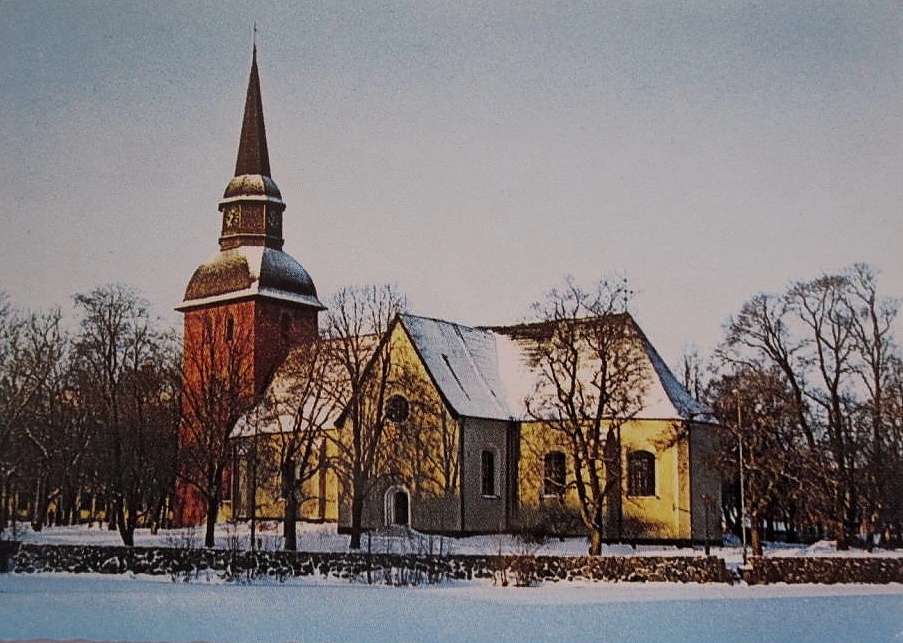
(493, 474)
(641, 474)
(554, 486)
(391, 415)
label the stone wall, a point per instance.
(854, 569)
(407, 569)
(183, 564)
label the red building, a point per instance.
(243, 308)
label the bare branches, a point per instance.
(363, 451)
(830, 341)
(593, 377)
(127, 374)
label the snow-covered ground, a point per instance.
(145, 608)
(123, 608)
(324, 538)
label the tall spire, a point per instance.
(253, 157)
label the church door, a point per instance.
(397, 507)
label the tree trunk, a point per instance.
(125, 532)
(212, 512)
(39, 514)
(4, 512)
(289, 524)
(357, 510)
(595, 543)
(755, 527)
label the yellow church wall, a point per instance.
(317, 496)
(663, 515)
(426, 447)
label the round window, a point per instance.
(397, 409)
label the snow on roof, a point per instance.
(276, 412)
(676, 396)
(463, 362)
(480, 372)
(489, 372)
(248, 271)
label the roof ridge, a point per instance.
(442, 321)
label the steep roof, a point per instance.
(276, 411)
(491, 372)
(464, 364)
(484, 373)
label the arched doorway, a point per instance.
(398, 510)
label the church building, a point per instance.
(472, 456)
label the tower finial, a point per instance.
(254, 38)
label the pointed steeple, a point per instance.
(253, 157)
(251, 262)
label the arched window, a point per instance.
(230, 329)
(640, 473)
(554, 474)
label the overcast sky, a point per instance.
(472, 153)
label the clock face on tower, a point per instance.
(232, 216)
(273, 220)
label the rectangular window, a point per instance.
(641, 474)
(487, 464)
(554, 474)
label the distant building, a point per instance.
(483, 462)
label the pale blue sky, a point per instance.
(472, 153)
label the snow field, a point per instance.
(60, 606)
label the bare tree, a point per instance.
(363, 454)
(32, 356)
(427, 439)
(830, 340)
(872, 318)
(218, 388)
(693, 369)
(593, 376)
(119, 349)
(301, 403)
(784, 479)
(44, 420)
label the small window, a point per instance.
(230, 329)
(397, 408)
(553, 474)
(487, 467)
(641, 473)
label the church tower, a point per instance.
(244, 307)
